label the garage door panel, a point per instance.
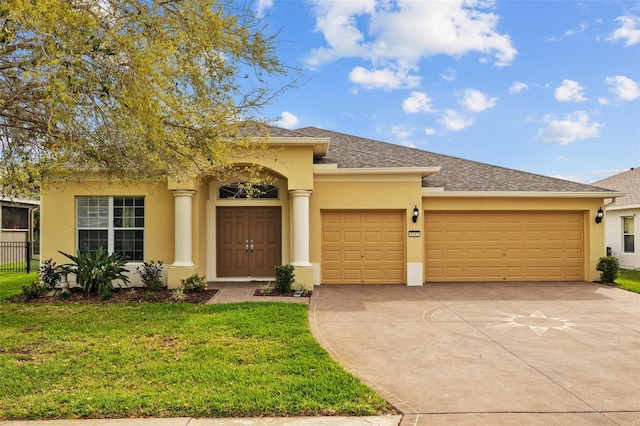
(370, 246)
(519, 246)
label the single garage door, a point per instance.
(363, 247)
(504, 246)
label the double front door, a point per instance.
(249, 241)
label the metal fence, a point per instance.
(17, 256)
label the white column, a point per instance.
(300, 199)
(183, 227)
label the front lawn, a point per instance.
(11, 284)
(629, 280)
(169, 360)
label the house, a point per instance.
(17, 229)
(343, 210)
(621, 217)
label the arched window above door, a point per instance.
(242, 190)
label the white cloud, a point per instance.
(476, 101)
(570, 128)
(430, 131)
(570, 91)
(583, 26)
(623, 87)
(603, 101)
(401, 33)
(453, 121)
(402, 132)
(518, 87)
(417, 102)
(448, 75)
(263, 6)
(629, 30)
(386, 79)
(288, 120)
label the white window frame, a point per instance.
(626, 234)
(111, 228)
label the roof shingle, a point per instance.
(628, 182)
(456, 174)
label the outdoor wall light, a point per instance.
(599, 215)
(416, 212)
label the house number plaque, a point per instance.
(414, 234)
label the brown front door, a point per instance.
(249, 241)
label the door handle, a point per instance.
(251, 247)
(246, 247)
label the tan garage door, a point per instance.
(363, 247)
(504, 246)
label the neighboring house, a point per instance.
(342, 210)
(622, 217)
(16, 217)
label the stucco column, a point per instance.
(300, 199)
(183, 219)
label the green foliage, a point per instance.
(136, 90)
(178, 294)
(97, 271)
(34, 290)
(608, 267)
(50, 273)
(150, 274)
(284, 278)
(194, 283)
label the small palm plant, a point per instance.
(97, 271)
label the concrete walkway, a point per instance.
(490, 353)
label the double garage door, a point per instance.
(504, 246)
(363, 247)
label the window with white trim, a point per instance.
(628, 243)
(115, 223)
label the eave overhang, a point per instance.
(320, 145)
(434, 192)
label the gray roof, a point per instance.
(628, 182)
(456, 174)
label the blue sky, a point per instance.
(549, 87)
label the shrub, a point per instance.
(194, 283)
(284, 278)
(97, 271)
(151, 273)
(34, 290)
(608, 267)
(49, 273)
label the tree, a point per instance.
(137, 90)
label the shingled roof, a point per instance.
(456, 174)
(628, 182)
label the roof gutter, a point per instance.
(330, 170)
(433, 192)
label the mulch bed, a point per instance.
(273, 293)
(125, 295)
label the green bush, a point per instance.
(608, 267)
(194, 283)
(34, 290)
(150, 274)
(284, 278)
(50, 274)
(97, 271)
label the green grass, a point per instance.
(170, 360)
(629, 280)
(11, 284)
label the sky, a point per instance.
(549, 87)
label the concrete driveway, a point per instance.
(490, 353)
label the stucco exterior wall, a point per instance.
(372, 192)
(594, 233)
(613, 231)
(58, 218)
